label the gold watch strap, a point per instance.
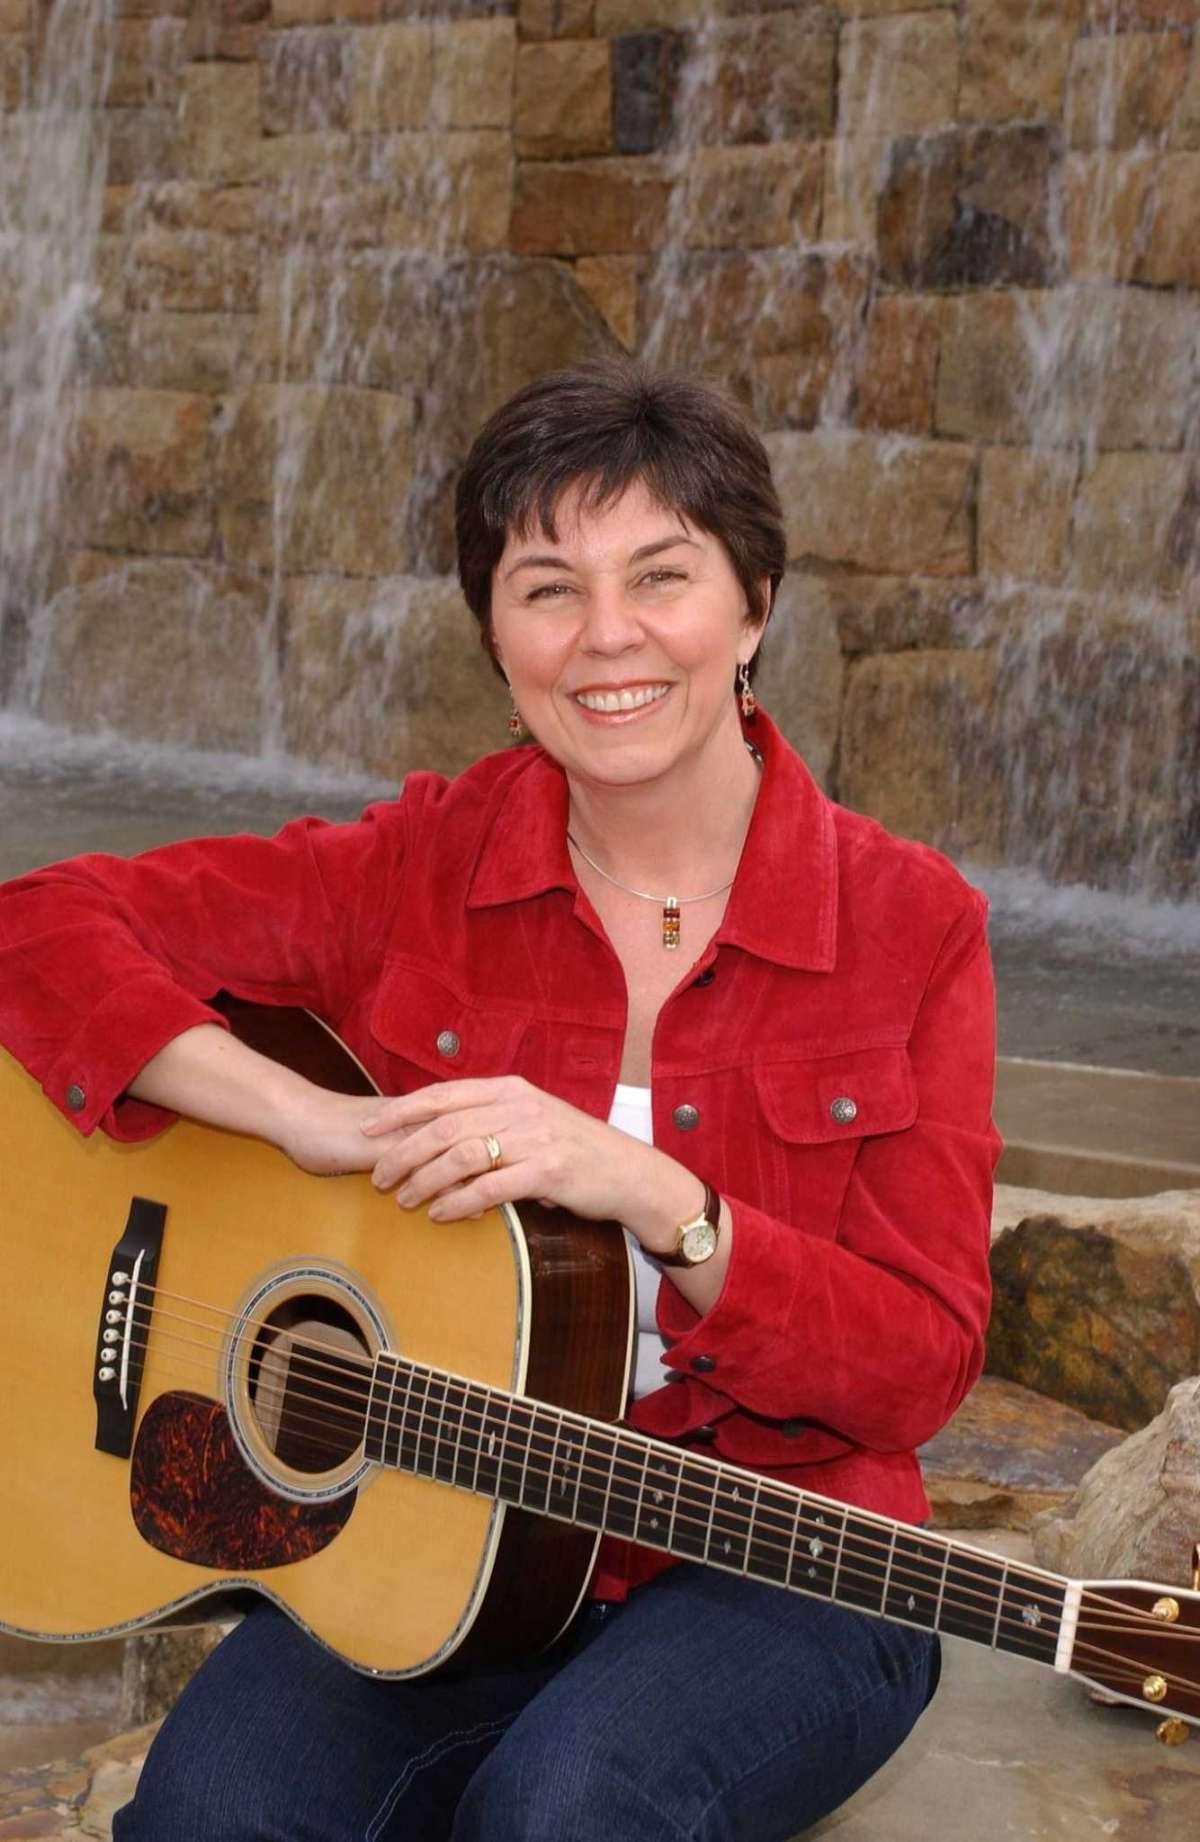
(710, 1213)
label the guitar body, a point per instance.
(232, 1476)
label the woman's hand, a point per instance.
(434, 1153)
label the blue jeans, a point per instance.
(707, 1707)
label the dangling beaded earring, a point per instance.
(749, 701)
(516, 728)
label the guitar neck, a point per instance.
(615, 1481)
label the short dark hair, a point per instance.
(602, 426)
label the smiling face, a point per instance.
(620, 638)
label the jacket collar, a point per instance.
(783, 904)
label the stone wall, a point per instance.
(948, 254)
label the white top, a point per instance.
(632, 1113)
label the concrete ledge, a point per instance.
(1087, 1131)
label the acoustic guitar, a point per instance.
(221, 1373)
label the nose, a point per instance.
(611, 621)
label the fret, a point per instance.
(1000, 1604)
(491, 1435)
(416, 1393)
(626, 1471)
(513, 1449)
(750, 1532)
(694, 1505)
(973, 1581)
(438, 1465)
(566, 1472)
(773, 1532)
(456, 1455)
(862, 1564)
(466, 1443)
(916, 1576)
(1031, 1614)
(599, 1452)
(815, 1558)
(552, 1461)
(378, 1397)
(729, 1523)
(660, 1496)
(539, 1470)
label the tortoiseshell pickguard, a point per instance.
(193, 1496)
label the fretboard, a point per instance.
(616, 1481)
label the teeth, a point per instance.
(613, 701)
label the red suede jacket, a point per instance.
(850, 967)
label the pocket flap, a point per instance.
(816, 1100)
(421, 1019)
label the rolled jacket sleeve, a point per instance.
(876, 1334)
(103, 960)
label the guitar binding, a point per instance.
(124, 1322)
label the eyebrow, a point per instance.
(639, 556)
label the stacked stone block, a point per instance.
(947, 254)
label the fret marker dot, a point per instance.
(727, 1547)
(816, 1548)
(1031, 1616)
(654, 1522)
(812, 1573)
(911, 1603)
(658, 1496)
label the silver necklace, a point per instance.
(670, 904)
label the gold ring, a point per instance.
(492, 1147)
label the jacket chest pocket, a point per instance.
(442, 1034)
(817, 1113)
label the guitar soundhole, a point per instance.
(309, 1380)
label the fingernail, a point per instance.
(406, 1197)
(368, 1125)
(437, 1212)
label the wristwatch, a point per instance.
(696, 1240)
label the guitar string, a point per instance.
(1125, 1613)
(901, 1574)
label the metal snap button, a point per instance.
(704, 1365)
(703, 1435)
(76, 1098)
(844, 1110)
(448, 1042)
(686, 1117)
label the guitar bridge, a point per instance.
(124, 1325)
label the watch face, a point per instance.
(698, 1243)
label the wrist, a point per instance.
(677, 1197)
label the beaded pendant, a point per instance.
(670, 921)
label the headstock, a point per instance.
(1141, 1644)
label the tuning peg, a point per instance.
(1171, 1732)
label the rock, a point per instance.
(1086, 1316)
(158, 1665)
(306, 80)
(220, 123)
(320, 12)
(909, 723)
(145, 63)
(331, 319)
(1124, 89)
(555, 18)
(897, 76)
(1136, 1515)
(613, 16)
(175, 351)
(590, 207)
(801, 670)
(1057, 367)
(1008, 1455)
(899, 613)
(1168, 1223)
(897, 366)
(750, 197)
(1014, 59)
(563, 99)
(1106, 199)
(645, 72)
(1167, 254)
(142, 145)
(770, 320)
(970, 209)
(884, 504)
(193, 270)
(1128, 508)
(611, 284)
(1025, 503)
(138, 471)
(473, 71)
(766, 79)
(855, 170)
(313, 478)
(233, 30)
(445, 192)
(392, 78)
(387, 676)
(162, 648)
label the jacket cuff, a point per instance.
(733, 1341)
(112, 1046)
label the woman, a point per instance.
(645, 971)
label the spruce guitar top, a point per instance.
(222, 1373)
